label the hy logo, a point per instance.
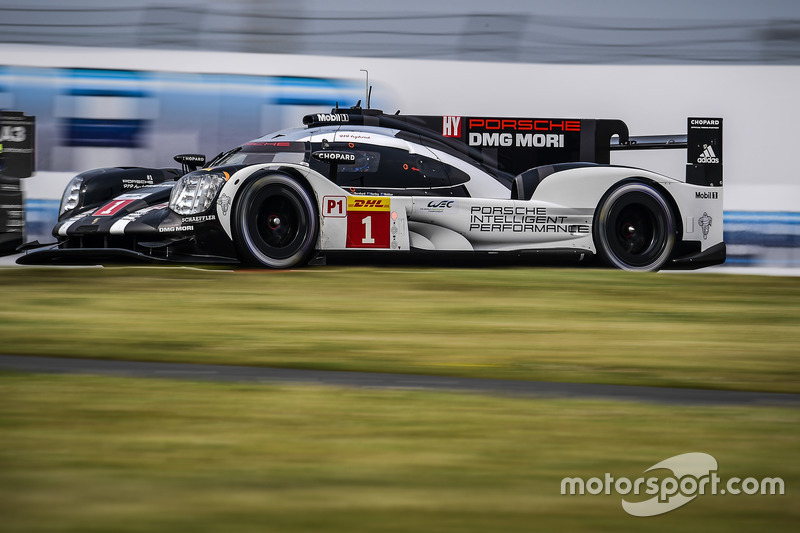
(451, 126)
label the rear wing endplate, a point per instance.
(703, 144)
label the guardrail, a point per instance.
(710, 33)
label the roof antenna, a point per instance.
(367, 88)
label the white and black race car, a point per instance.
(359, 180)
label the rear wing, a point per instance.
(513, 145)
(703, 144)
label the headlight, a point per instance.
(72, 195)
(194, 193)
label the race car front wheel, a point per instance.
(275, 223)
(635, 228)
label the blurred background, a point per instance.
(135, 82)
(570, 31)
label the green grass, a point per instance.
(686, 330)
(84, 454)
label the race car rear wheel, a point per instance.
(275, 223)
(635, 228)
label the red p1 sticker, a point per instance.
(334, 206)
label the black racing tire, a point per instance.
(275, 223)
(635, 228)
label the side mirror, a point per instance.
(190, 162)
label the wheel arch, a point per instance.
(670, 204)
(242, 237)
(673, 203)
(312, 183)
(288, 171)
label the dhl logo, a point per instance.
(370, 203)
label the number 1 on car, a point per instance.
(368, 222)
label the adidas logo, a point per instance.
(708, 155)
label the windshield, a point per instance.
(257, 152)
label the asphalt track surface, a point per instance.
(264, 375)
